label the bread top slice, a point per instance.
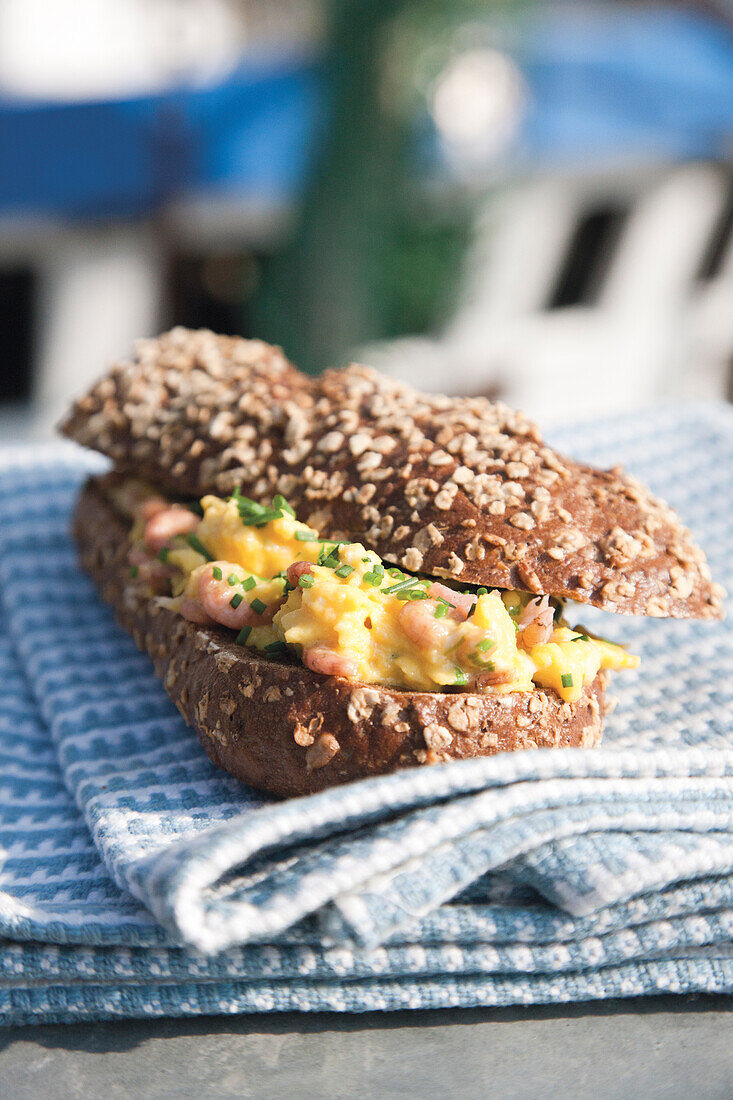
(461, 488)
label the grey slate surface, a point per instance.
(658, 1049)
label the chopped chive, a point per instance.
(281, 503)
(414, 593)
(367, 561)
(393, 571)
(442, 609)
(236, 600)
(329, 558)
(163, 553)
(243, 635)
(580, 638)
(258, 606)
(306, 536)
(461, 677)
(487, 643)
(305, 580)
(198, 546)
(373, 579)
(406, 582)
(134, 570)
(232, 579)
(482, 591)
(566, 679)
(216, 573)
(344, 571)
(277, 649)
(248, 584)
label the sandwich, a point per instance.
(337, 577)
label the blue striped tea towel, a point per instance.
(139, 880)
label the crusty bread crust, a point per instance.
(461, 488)
(289, 731)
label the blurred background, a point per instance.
(525, 200)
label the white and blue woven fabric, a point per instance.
(137, 880)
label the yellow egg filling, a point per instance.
(347, 613)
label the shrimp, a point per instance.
(152, 506)
(216, 597)
(461, 602)
(418, 623)
(296, 571)
(320, 659)
(536, 622)
(166, 523)
(194, 612)
(149, 570)
(486, 680)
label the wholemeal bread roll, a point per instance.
(455, 488)
(460, 488)
(289, 731)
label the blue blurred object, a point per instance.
(615, 81)
(603, 83)
(248, 136)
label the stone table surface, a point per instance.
(665, 1047)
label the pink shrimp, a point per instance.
(216, 600)
(296, 571)
(166, 523)
(536, 622)
(194, 612)
(320, 659)
(152, 506)
(461, 602)
(418, 623)
(149, 570)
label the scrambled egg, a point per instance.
(383, 625)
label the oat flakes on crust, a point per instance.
(461, 488)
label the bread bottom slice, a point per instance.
(289, 731)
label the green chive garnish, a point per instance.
(232, 579)
(487, 643)
(134, 570)
(306, 536)
(281, 503)
(258, 606)
(199, 547)
(406, 582)
(581, 638)
(482, 591)
(329, 558)
(243, 635)
(344, 571)
(276, 649)
(418, 594)
(373, 579)
(461, 677)
(236, 600)
(305, 580)
(566, 679)
(216, 573)
(393, 571)
(163, 554)
(442, 609)
(248, 584)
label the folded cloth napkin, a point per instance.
(136, 879)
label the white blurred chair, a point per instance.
(587, 294)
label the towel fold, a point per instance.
(138, 879)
